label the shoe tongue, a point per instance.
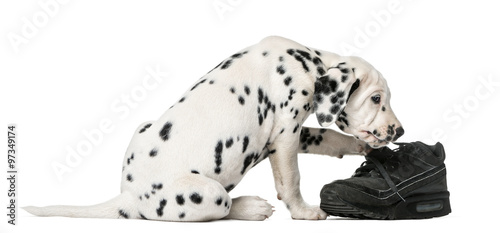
(381, 154)
(368, 169)
(430, 154)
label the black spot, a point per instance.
(159, 211)
(165, 131)
(144, 128)
(182, 99)
(123, 214)
(321, 117)
(307, 107)
(264, 53)
(260, 95)
(304, 54)
(218, 201)
(229, 142)
(304, 92)
(344, 70)
(343, 120)
(320, 70)
(304, 134)
(354, 86)
(322, 130)
(334, 99)
(195, 172)
(245, 143)
(374, 132)
(146, 195)
(325, 85)
(153, 152)
(179, 199)
(292, 92)
(211, 82)
(129, 177)
(329, 118)
(317, 61)
(280, 70)
(281, 58)
(142, 216)
(317, 52)
(247, 162)
(247, 90)
(318, 99)
(200, 82)
(295, 128)
(241, 100)
(218, 157)
(287, 80)
(237, 55)
(335, 109)
(129, 159)
(232, 90)
(302, 61)
(226, 64)
(390, 130)
(182, 215)
(290, 51)
(261, 119)
(196, 198)
(157, 186)
(383, 108)
(229, 188)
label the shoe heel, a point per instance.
(424, 206)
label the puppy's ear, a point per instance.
(332, 91)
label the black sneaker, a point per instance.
(407, 183)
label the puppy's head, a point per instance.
(356, 97)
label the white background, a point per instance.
(82, 57)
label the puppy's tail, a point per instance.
(118, 207)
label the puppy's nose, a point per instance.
(399, 132)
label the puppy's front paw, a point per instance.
(358, 147)
(363, 148)
(308, 213)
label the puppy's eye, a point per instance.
(376, 99)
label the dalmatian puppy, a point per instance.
(250, 107)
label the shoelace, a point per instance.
(386, 176)
(372, 163)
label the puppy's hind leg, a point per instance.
(250, 208)
(187, 198)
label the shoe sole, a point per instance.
(421, 206)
